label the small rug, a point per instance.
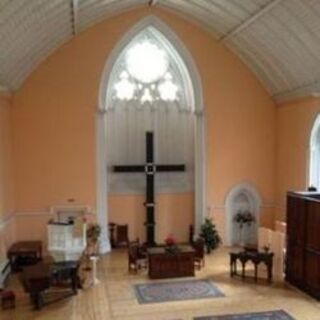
(268, 315)
(177, 290)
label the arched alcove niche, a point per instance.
(242, 198)
(171, 39)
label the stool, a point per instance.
(8, 300)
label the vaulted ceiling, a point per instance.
(278, 39)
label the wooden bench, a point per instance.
(40, 277)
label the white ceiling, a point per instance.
(278, 39)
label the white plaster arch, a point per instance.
(246, 191)
(313, 153)
(173, 39)
(101, 147)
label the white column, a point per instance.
(200, 190)
(102, 214)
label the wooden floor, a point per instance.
(113, 297)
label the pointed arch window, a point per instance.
(314, 165)
(150, 70)
(150, 89)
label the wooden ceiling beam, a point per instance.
(250, 20)
(74, 16)
(153, 2)
(311, 89)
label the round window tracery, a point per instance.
(146, 74)
(146, 62)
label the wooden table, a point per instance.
(24, 249)
(163, 264)
(255, 257)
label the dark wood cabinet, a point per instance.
(303, 241)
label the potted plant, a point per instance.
(210, 235)
(93, 234)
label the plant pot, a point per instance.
(171, 249)
(92, 248)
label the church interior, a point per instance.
(160, 159)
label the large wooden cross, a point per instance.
(150, 168)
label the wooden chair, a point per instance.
(137, 259)
(118, 235)
(122, 235)
(199, 259)
(112, 227)
(191, 234)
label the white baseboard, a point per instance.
(4, 222)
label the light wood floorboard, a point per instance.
(113, 298)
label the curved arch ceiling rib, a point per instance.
(278, 39)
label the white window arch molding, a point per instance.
(314, 154)
(102, 109)
(132, 78)
(172, 40)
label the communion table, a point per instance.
(163, 264)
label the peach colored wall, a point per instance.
(294, 124)
(32, 227)
(54, 140)
(7, 233)
(176, 214)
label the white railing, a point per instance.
(276, 242)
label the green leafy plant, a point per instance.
(93, 232)
(210, 235)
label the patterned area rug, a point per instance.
(268, 315)
(177, 290)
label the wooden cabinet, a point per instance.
(171, 265)
(303, 241)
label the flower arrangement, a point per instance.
(244, 217)
(171, 244)
(170, 241)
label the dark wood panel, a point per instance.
(313, 226)
(312, 271)
(303, 242)
(295, 220)
(295, 265)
